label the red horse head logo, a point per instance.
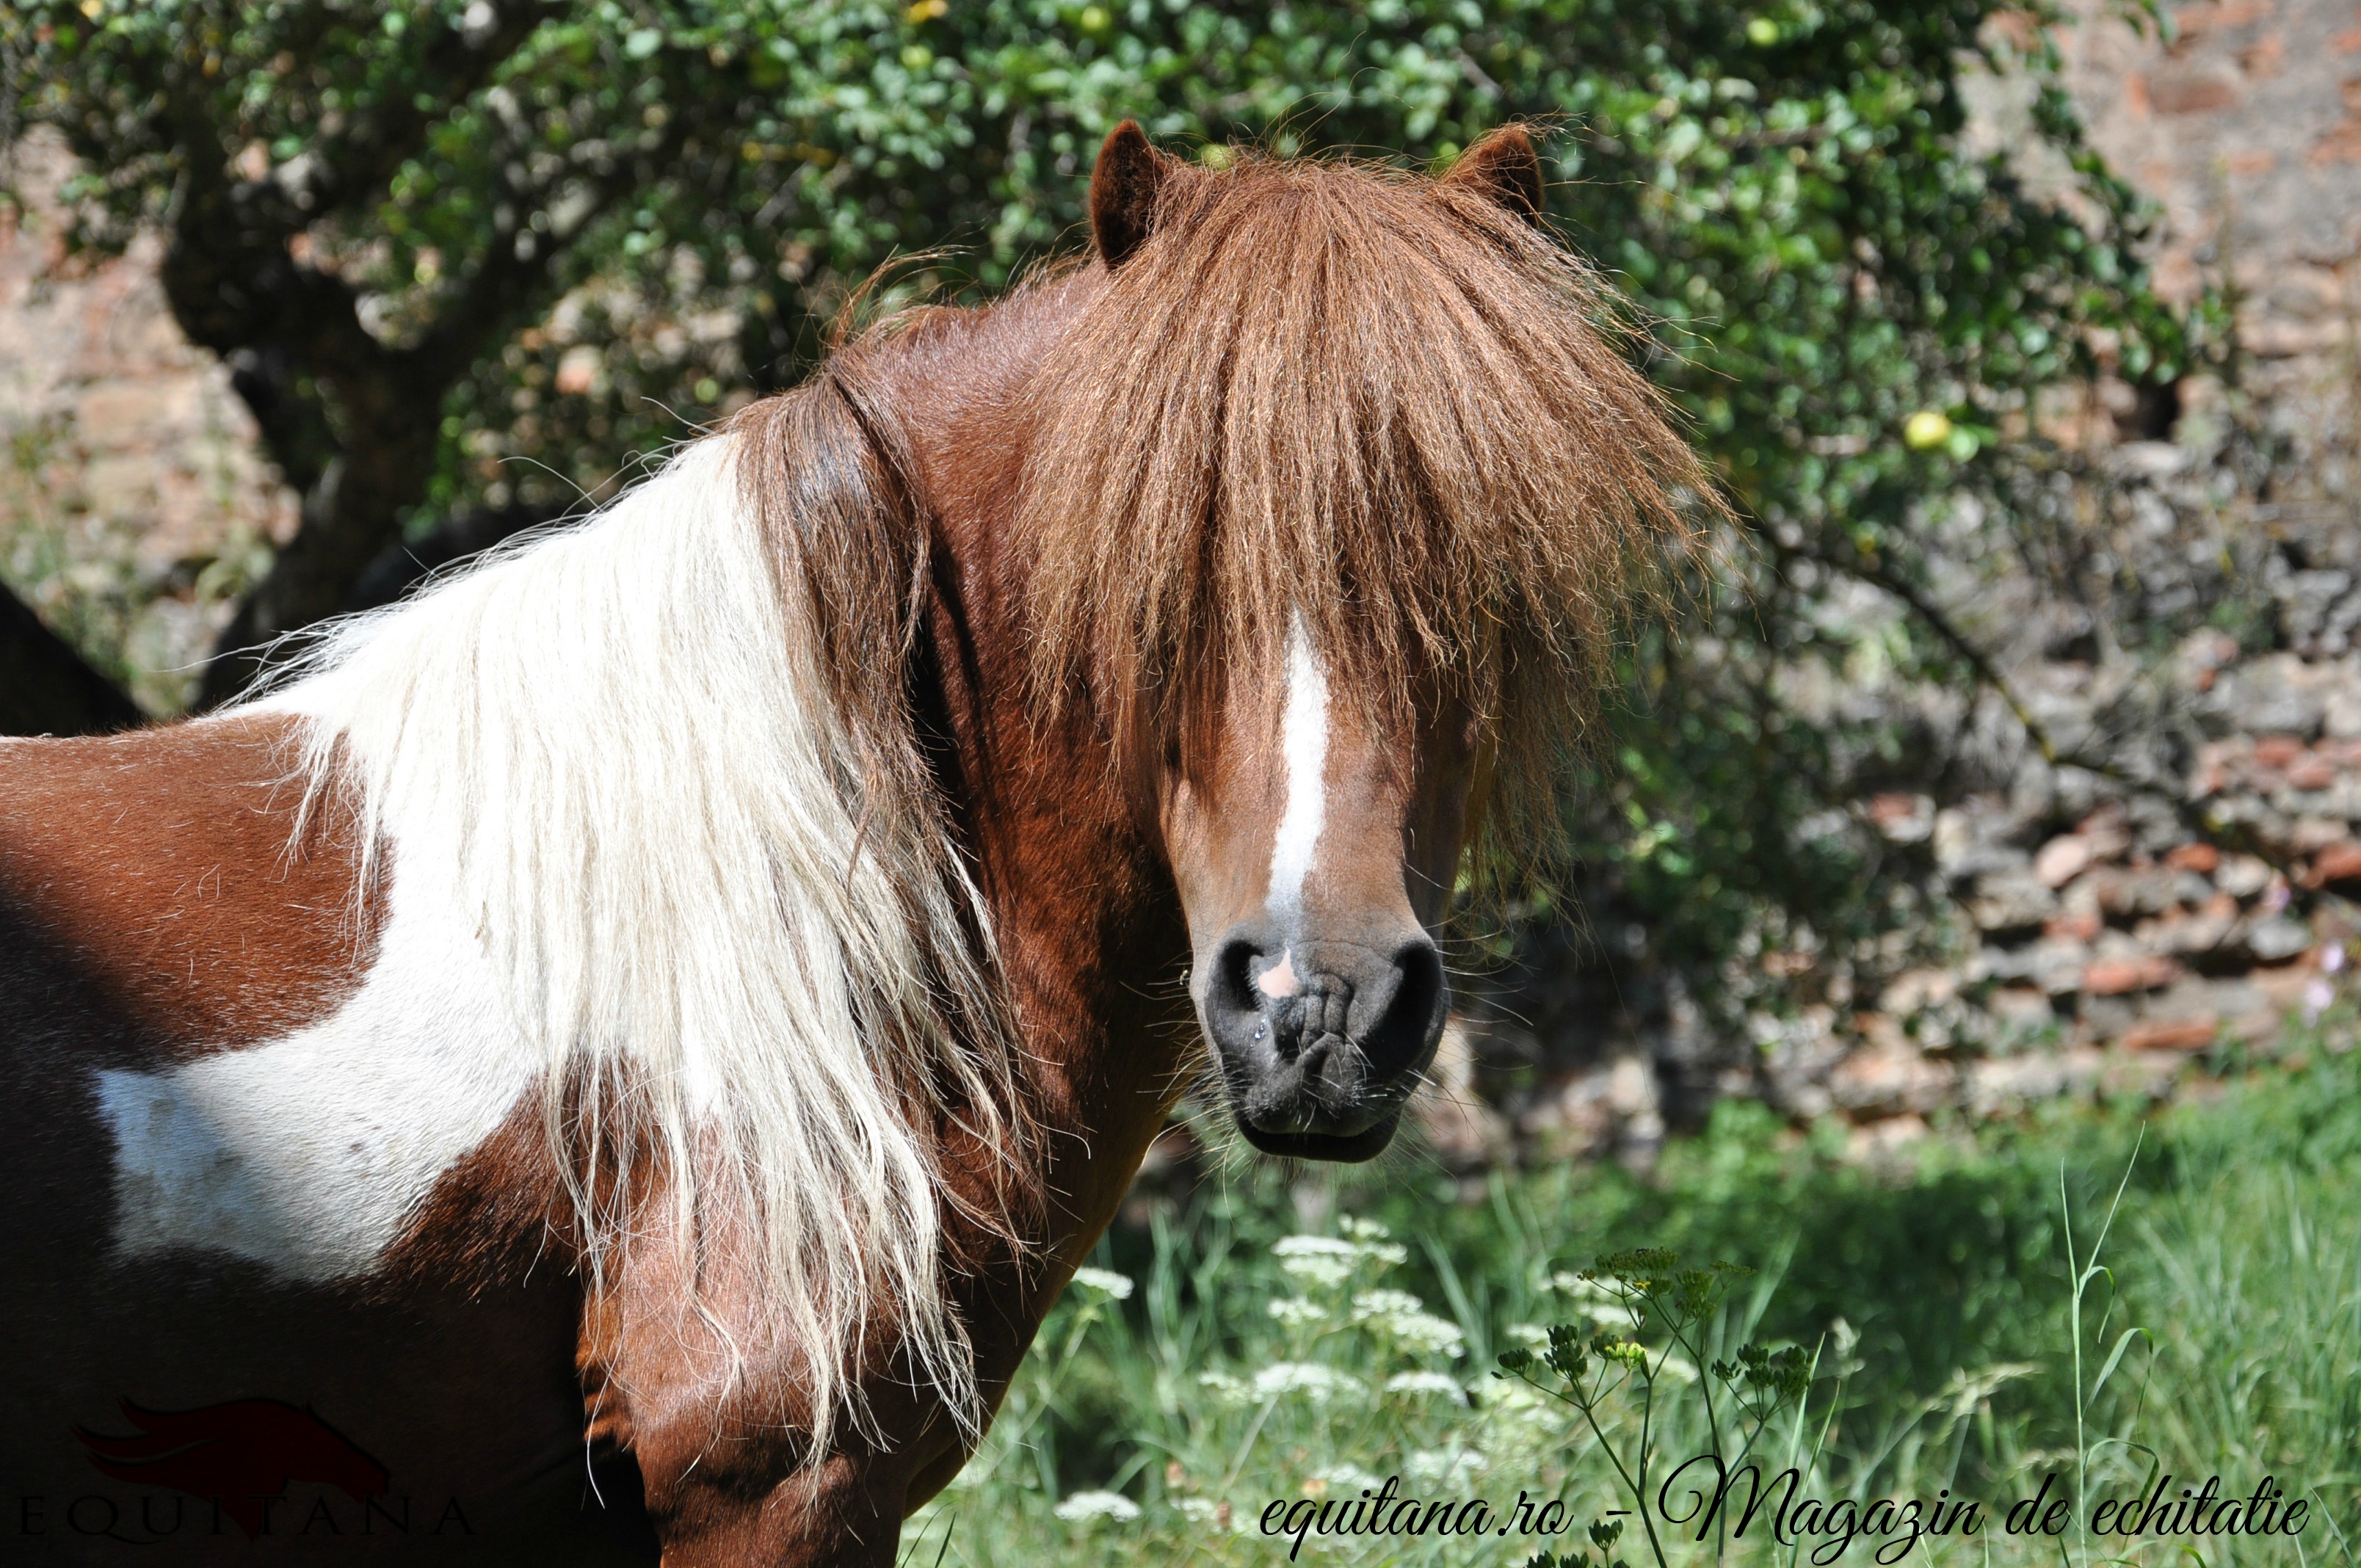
(242, 1452)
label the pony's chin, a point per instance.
(1347, 1149)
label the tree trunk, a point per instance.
(351, 513)
(45, 687)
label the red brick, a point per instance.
(2200, 858)
(2179, 1035)
(2277, 751)
(2114, 977)
(2063, 859)
(2192, 92)
(2213, 16)
(2075, 926)
(2337, 863)
(2310, 770)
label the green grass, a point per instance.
(1935, 1301)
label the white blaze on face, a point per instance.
(1303, 743)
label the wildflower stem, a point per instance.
(1237, 1461)
(1639, 1488)
(2083, 1272)
(1647, 1436)
(1712, 1424)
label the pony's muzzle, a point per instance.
(1321, 1042)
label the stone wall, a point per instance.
(2181, 906)
(134, 504)
(2247, 131)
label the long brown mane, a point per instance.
(1384, 403)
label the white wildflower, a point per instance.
(1199, 1510)
(1423, 1334)
(1313, 1247)
(1317, 1273)
(1298, 1311)
(1227, 1389)
(1399, 1314)
(1317, 1383)
(1426, 1383)
(1385, 1304)
(1521, 1405)
(1085, 1506)
(1349, 1478)
(1567, 1283)
(1443, 1466)
(1846, 1337)
(1533, 1336)
(1105, 1281)
(1370, 1238)
(1316, 1262)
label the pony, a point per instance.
(630, 1042)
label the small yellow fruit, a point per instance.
(1925, 428)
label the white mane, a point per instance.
(665, 841)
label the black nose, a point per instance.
(1319, 1040)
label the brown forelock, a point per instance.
(1386, 402)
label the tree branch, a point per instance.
(2192, 815)
(357, 166)
(516, 264)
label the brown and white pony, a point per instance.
(671, 1006)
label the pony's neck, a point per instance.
(1089, 923)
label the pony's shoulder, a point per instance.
(155, 873)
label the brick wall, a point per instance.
(133, 504)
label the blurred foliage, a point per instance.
(1854, 309)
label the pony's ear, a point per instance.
(1123, 183)
(1503, 167)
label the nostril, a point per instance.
(1232, 993)
(1399, 1037)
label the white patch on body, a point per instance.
(307, 1153)
(648, 850)
(1303, 743)
(1280, 979)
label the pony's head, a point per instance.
(1315, 850)
(1339, 484)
